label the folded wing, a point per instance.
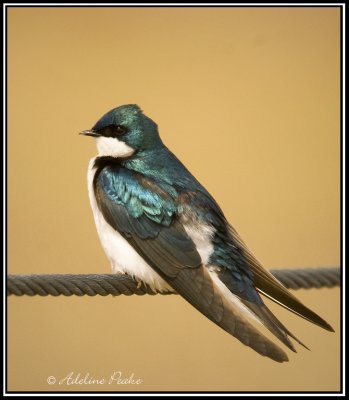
(145, 214)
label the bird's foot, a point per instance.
(139, 283)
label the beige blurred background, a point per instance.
(248, 98)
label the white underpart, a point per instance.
(201, 234)
(113, 147)
(122, 256)
(231, 296)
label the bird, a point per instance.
(159, 225)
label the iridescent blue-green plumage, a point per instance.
(143, 133)
(150, 196)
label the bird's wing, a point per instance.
(145, 214)
(244, 276)
(268, 285)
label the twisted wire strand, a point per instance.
(117, 284)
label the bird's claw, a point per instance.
(139, 283)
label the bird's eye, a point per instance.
(114, 130)
(119, 130)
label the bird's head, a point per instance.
(124, 131)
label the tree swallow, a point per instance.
(157, 223)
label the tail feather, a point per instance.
(197, 287)
(254, 307)
(273, 324)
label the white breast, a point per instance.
(123, 257)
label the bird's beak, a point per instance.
(90, 132)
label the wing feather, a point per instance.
(269, 286)
(167, 248)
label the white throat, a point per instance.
(113, 147)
